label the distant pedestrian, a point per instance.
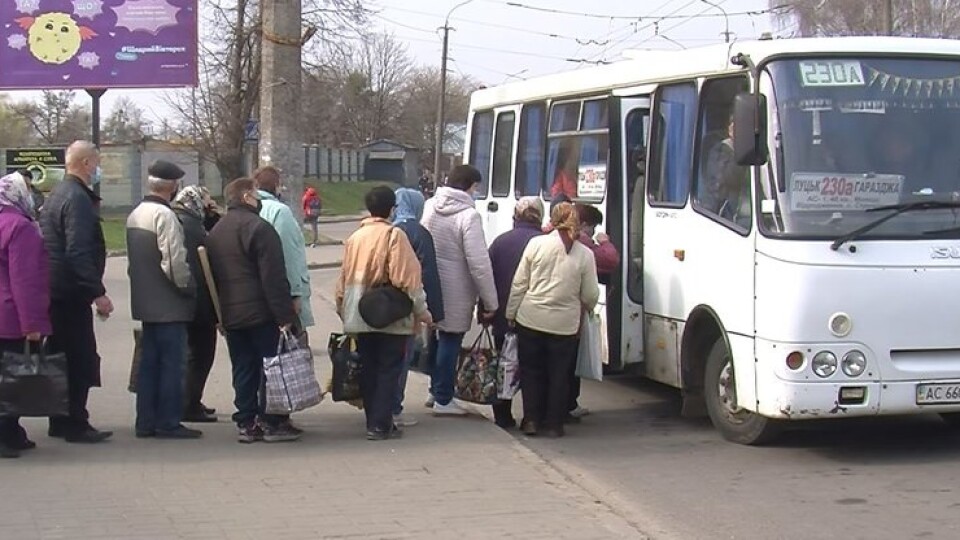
(24, 288)
(246, 257)
(505, 254)
(465, 273)
(162, 297)
(555, 282)
(312, 205)
(191, 206)
(406, 217)
(378, 253)
(70, 221)
(279, 215)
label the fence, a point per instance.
(333, 164)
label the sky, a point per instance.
(496, 41)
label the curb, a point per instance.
(341, 219)
(324, 265)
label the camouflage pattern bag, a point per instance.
(477, 371)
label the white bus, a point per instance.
(788, 214)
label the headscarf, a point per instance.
(190, 199)
(14, 192)
(564, 219)
(529, 210)
(409, 205)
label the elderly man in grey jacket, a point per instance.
(162, 296)
(465, 274)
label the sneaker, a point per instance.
(289, 426)
(404, 421)
(179, 432)
(450, 409)
(579, 412)
(429, 403)
(250, 433)
(9, 452)
(280, 433)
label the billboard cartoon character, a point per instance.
(54, 37)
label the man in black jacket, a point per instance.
(70, 221)
(246, 258)
(162, 297)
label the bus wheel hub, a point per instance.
(728, 390)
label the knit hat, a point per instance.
(164, 170)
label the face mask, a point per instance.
(95, 179)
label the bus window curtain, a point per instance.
(679, 109)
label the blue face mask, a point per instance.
(95, 179)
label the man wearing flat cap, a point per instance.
(162, 297)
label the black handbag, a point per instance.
(384, 304)
(33, 384)
(345, 382)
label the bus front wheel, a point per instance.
(735, 423)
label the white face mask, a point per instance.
(96, 177)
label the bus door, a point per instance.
(625, 202)
(497, 209)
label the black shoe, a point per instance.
(529, 428)
(506, 424)
(396, 432)
(208, 410)
(180, 432)
(280, 433)
(378, 435)
(88, 435)
(552, 433)
(199, 417)
(571, 419)
(146, 433)
(23, 444)
(288, 425)
(9, 452)
(57, 432)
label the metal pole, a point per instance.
(441, 109)
(95, 95)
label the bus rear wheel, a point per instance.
(734, 423)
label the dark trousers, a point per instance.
(545, 375)
(160, 381)
(10, 430)
(201, 350)
(248, 347)
(74, 336)
(574, 395)
(502, 409)
(397, 407)
(381, 359)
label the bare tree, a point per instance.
(15, 130)
(126, 122)
(55, 119)
(421, 91)
(918, 18)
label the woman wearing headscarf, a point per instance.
(191, 206)
(24, 289)
(505, 253)
(554, 283)
(406, 217)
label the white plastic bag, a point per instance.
(590, 355)
(509, 372)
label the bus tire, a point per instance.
(734, 423)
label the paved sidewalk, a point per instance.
(447, 478)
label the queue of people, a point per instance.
(195, 271)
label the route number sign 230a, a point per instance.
(831, 73)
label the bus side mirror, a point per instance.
(750, 129)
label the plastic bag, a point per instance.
(508, 374)
(477, 371)
(590, 355)
(345, 382)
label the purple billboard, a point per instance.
(46, 44)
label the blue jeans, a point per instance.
(248, 347)
(160, 381)
(404, 369)
(445, 370)
(381, 356)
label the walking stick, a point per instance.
(211, 285)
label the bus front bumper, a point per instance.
(808, 400)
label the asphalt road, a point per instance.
(677, 478)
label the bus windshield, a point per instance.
(853, 134)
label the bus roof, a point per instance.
(644, 67)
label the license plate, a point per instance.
(931, 394)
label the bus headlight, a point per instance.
(854, 363)
(824, 364)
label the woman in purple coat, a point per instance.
(24, 289)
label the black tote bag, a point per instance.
(33, 384)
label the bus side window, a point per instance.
(503, 154)
(530, 149)
(481, 139)
(636, 166)
(669, 181)
(722, 187)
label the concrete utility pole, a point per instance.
(442, 105)
(888, 17)
(281, 140)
